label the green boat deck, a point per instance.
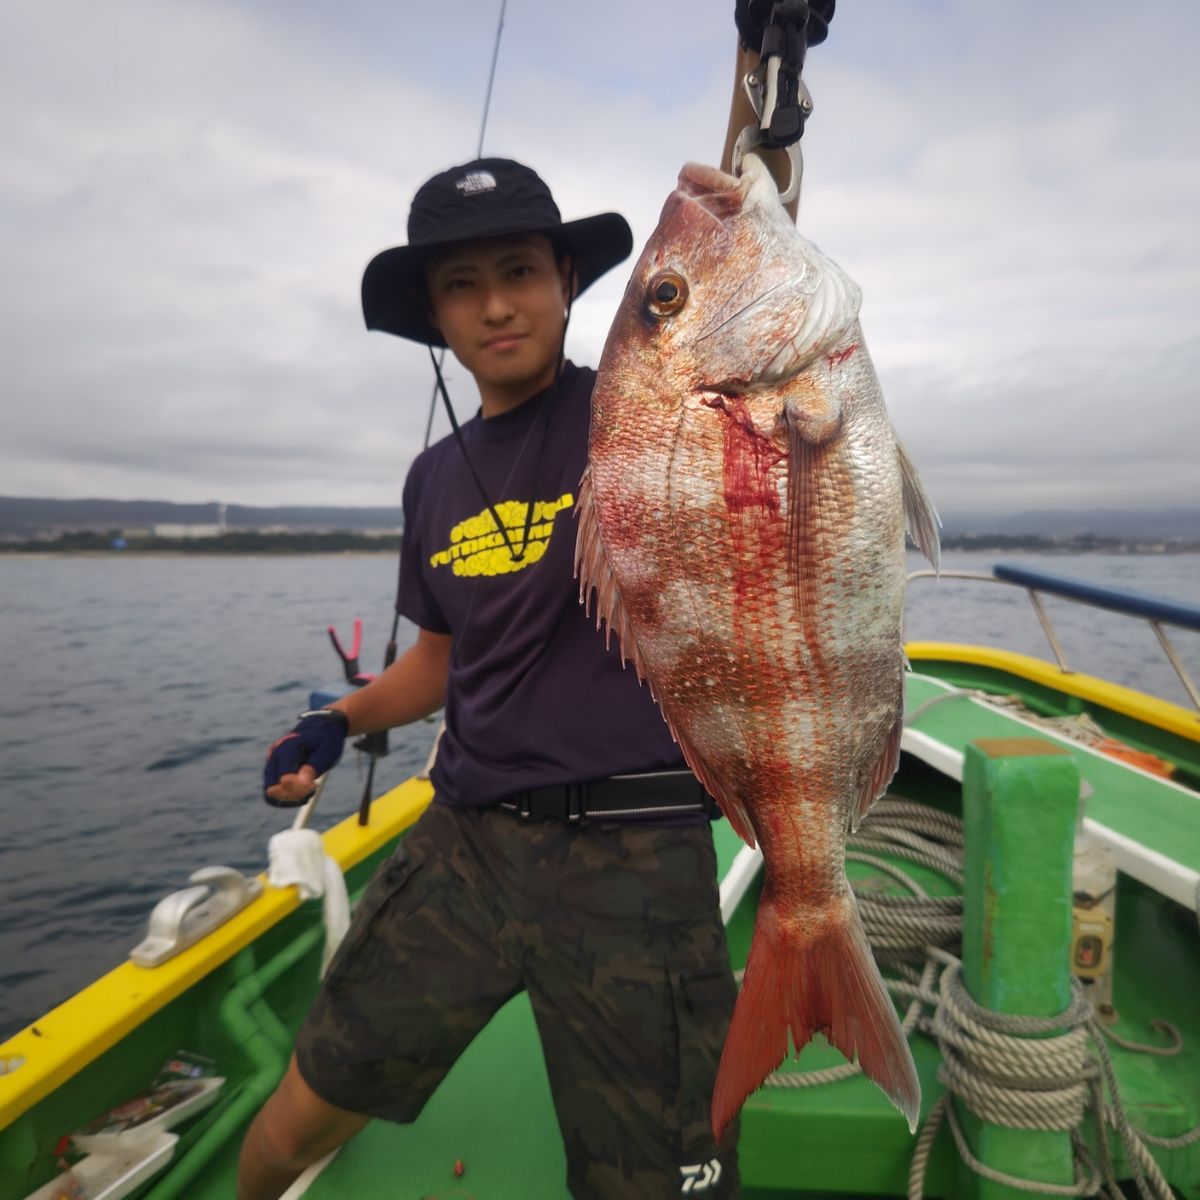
(494, 1114)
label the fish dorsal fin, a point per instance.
(920, 517)
(596, 578)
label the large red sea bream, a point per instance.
(742, 525)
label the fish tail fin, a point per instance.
(828, 983)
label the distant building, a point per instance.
(187, 531)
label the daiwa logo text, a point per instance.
(476, 181)
(700, 1177)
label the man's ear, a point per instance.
(569, 277)
(429, 313)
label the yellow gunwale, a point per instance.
(1172, 718)
(79, 1030)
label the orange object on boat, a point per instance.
(1136, 758)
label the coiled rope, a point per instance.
(1018, 1072)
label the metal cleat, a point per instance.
(184, 917)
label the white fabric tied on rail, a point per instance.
(298, 857)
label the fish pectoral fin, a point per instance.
(920, 517)
(596, 577)
(812, 444)
(812, 412)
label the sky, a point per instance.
(190, 189)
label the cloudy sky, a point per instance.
(189, 190)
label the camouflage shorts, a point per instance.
(615, 933)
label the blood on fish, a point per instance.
(749, 458)
(840, 356)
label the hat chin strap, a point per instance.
(517, 553)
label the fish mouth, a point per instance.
(699, 179)
(718, 193)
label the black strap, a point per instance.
(517, 554)
(651, 793)
(542, 415)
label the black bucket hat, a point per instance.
(490, 197)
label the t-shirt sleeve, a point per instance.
(414, 599)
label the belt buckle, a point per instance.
(576, 797)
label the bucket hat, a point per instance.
(489, 197)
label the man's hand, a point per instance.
(751, 17)
(296, 760)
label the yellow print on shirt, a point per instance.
(477, 546)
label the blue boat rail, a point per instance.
(1154, 611)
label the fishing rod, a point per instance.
(375, 744)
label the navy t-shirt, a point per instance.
(534, 698)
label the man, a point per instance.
(568, 851)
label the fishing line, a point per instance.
(541, 417)
(487, 106)
(487, 100)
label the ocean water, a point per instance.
(140, 695)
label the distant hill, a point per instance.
(1165, 523)
(24, 517)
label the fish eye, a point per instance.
(666, 293)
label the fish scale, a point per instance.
(741, 532)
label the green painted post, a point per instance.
(1020, 801)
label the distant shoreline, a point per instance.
(231, 544)
(248, 544)
(28, 555)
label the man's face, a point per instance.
(500, 305)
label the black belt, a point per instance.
(649, 794)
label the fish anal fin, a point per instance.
(735, 813)
(880, 776)
(829, 983)
(732, 807)
(920, 517)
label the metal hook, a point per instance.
(761, 87)
(750, 139)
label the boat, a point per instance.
(1030, 885)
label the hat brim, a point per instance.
(393, 285)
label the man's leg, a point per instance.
(422, 968)
(632, 991)
(293, 1129)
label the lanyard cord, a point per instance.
(517, 553)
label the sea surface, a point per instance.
(140, 695)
